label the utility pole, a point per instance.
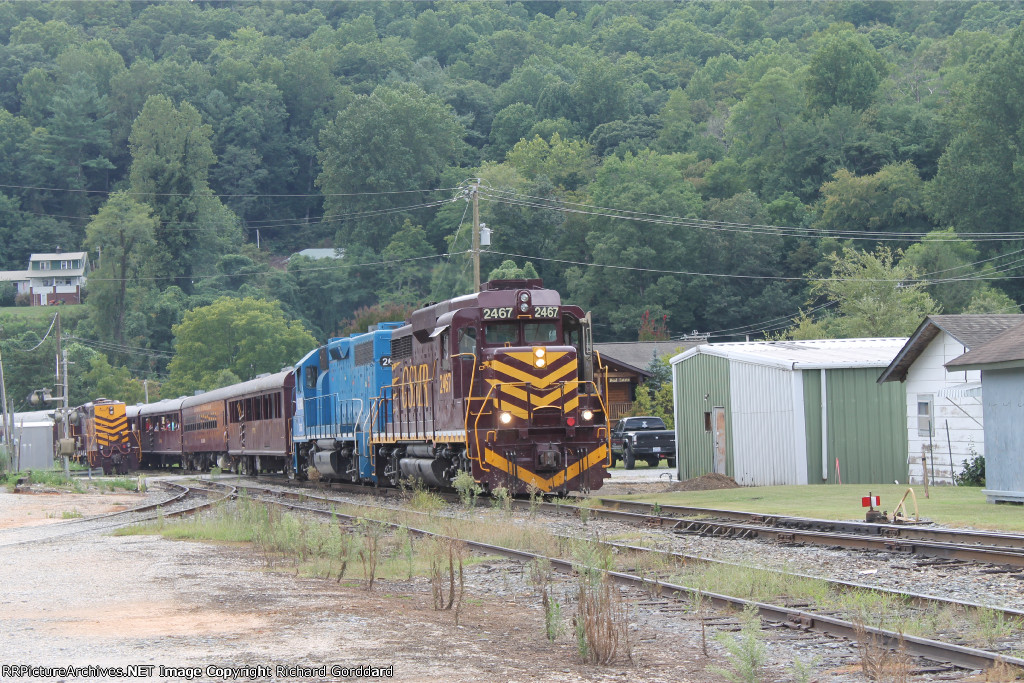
(475, 192)
(62, 378)
(3, 405)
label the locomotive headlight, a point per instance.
(540, 357)
(587, 415)
(505, 417)
(524, 307)
(524, 297)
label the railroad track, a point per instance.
(792, 617)
(182, 499)
(994, 548)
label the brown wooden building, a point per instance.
(627, 366)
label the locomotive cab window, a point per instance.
(467, 340)
(311, 373)
(499, 334)
(545, 333)
(445, 350)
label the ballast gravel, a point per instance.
(94, 599)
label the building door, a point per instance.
(718, 421)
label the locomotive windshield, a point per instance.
(500, 334)
(540, 333)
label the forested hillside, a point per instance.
(732, 168)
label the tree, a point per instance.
(846, 70)
(171, 157)
(106, 381)
(892, 200)
(877, 294)
(407, 274)
(368, 316)
(121, 234)
(948, 263)
(386, 146)
(567, 163)
(978, 187)
(246, 336)
(508, 270)
(636, 254)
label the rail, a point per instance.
(958, 655)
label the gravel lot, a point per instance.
(100, 600)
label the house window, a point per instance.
(925, 421)
(64, 265)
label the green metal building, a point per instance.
(790, 412)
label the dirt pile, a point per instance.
(708, 482)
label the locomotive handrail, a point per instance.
(414, 412)
(341, 412)
(469, 398)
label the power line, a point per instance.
(188, 194)
(342, 264)
(567, 206)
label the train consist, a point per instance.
(103, 437)
(499, 384)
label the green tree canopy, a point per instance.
(246, 336)
(392, 141)
(120, 234)
(846, 70)
(877, 294)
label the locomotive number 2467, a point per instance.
(498, 313)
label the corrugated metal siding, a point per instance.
(866, 427)
(1004, 437)
(694, 378)
(763, 426)
(812, 424)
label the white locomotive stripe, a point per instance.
(404, 436)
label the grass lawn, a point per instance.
(948, 505)
(40, 312)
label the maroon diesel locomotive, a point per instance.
(499, 384)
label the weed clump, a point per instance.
(747, 652)
(467, 488)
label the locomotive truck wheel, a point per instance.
(627, 456)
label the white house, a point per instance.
(945, 422)
(57, 278)
(1001, 363)
(19, 278)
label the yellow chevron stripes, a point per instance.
(526, 376)
(561, 477)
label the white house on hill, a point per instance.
(56, 278)
(945, 416)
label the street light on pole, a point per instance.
(61, 414)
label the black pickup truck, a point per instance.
(643, 438)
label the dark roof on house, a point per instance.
(1004, 349)
(640, 354)
(971, 330)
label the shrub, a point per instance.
(973, 473)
